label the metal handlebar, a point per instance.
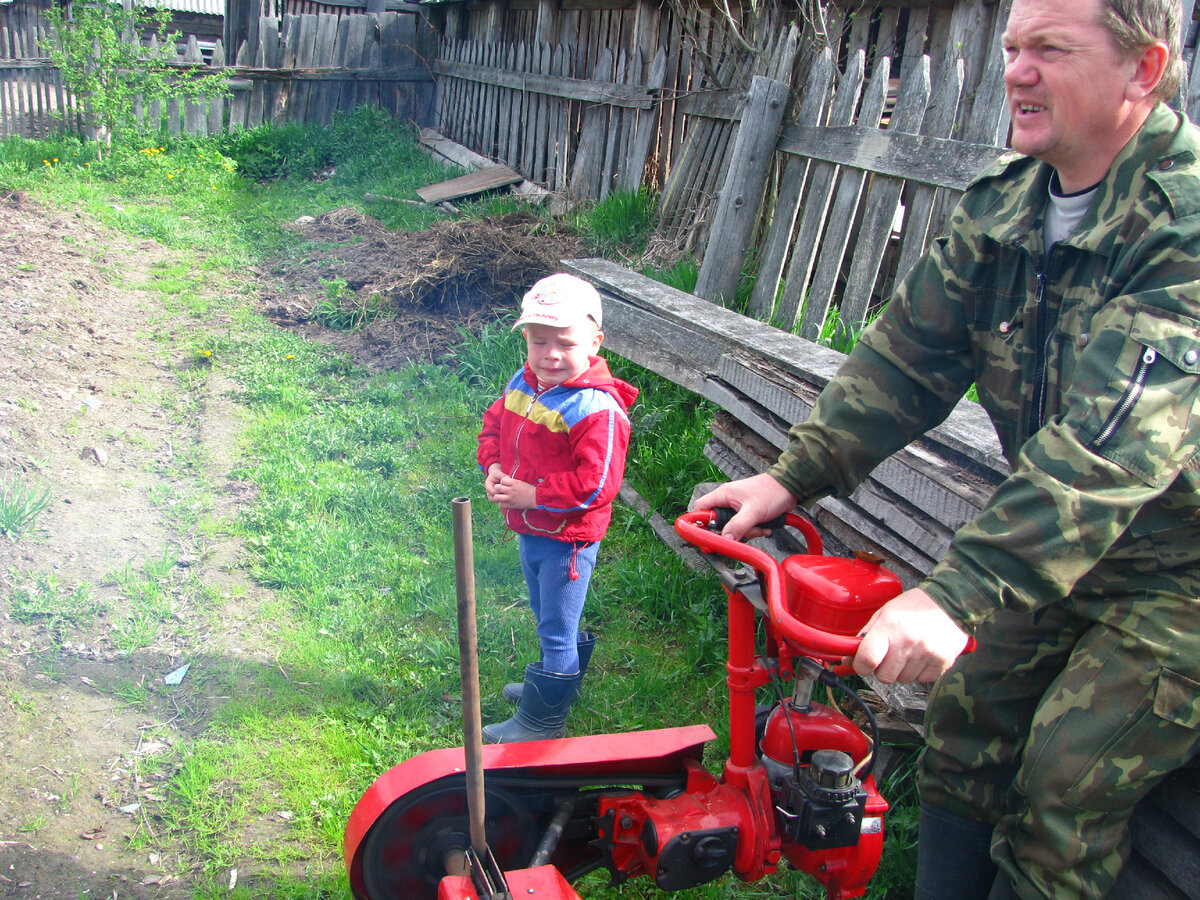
(695, 528)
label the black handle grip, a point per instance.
(722, 515)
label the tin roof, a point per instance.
(202, 7)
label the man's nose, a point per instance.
(1019, 71)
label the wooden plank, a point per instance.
(367, 91)
(563, 132)
(700, 333)
(195, 113)
(740, 199)
(239, 104)
(472, 183)
(988, 123)
(818, 195)
(636, 96)
(646, 129)
(614, 133)
(306, 43)
(541, 127)
(918, 215)
(518, 112)
(932, 478)
(324, 54)
(881, 205)
(589, 155)
(216, 105)
(787, 200)
(341, 92)
(842, 213)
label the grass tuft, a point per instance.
(20, 505)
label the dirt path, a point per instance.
(92, 407)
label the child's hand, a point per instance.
(511, 493)
(494, 474)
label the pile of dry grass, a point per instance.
(455, 267)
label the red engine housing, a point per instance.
(834, 594)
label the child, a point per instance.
(552, 450)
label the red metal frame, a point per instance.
(638, 829)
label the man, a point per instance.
(1068, 291)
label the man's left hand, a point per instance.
(910, 638)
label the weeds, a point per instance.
(20, 505)
(341, 310)
(44, 599)
(621, 223)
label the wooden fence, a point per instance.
(288, 68)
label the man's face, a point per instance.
(1066, 83)
(557, 355)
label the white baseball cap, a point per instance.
(560, 301)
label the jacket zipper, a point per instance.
(1137, 384)
(1041, 376)
(537, 392)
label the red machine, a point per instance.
(797, 786)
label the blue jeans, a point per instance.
(557, 574)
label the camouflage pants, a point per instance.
(1058, 724)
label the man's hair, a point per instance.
(1136, 24)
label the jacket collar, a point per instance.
(1153, 149)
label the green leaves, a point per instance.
(114, 75)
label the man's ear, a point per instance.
(1151, 66)
(598, 339)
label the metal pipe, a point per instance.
(468, 655)
(554, 833)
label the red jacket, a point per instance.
(569, 442)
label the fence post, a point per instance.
(746, 179)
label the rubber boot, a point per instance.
(542, 715)
(585, 644)
(954, 860)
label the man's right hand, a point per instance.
(753, 500)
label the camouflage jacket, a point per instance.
(1086, 359)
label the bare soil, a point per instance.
(90, 407)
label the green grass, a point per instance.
(350, 531)
(20, 504)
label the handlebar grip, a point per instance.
(722, 515)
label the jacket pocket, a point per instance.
(1145, 420)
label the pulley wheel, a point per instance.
(404, 854)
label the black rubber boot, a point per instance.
(954, 860)
(586, 644)
(545, 699)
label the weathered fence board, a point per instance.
(746, 180)
(822, 177)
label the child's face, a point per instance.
(557, 355)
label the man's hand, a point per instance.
(753, 500)
(910, 638)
